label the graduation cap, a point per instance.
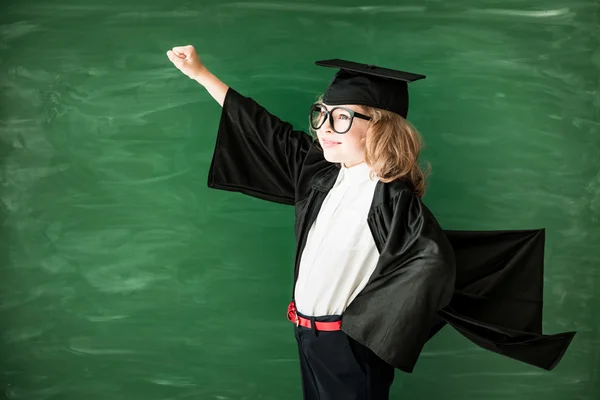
(368, 85)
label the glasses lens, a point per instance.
(341, 120)
(317, 116)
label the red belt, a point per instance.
(293, 316)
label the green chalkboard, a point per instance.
(122, 276)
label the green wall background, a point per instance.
(122, 276)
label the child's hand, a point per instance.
(187, 61)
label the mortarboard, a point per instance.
(368, 85)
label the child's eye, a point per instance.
(344, 117)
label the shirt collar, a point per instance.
(358, 173)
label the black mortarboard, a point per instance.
(368, 85)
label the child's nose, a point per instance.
(327, 127)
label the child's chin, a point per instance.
(331, 158)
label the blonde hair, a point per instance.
(392, 148)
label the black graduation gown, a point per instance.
(487, 285)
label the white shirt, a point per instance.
(340, 254)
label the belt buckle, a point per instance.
(297, 320)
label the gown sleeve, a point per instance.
(256, 153)
(499, 295)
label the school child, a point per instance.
(375, 275)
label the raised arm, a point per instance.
(187, 61)
(256, 153)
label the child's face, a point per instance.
(347, 148)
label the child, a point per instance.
(375, 276)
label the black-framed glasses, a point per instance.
(340, 118)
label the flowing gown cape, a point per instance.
(488, 285)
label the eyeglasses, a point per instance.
(340, 118)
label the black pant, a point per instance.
(334, 366)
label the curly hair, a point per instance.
(392, 149)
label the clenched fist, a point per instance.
(187, 61)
